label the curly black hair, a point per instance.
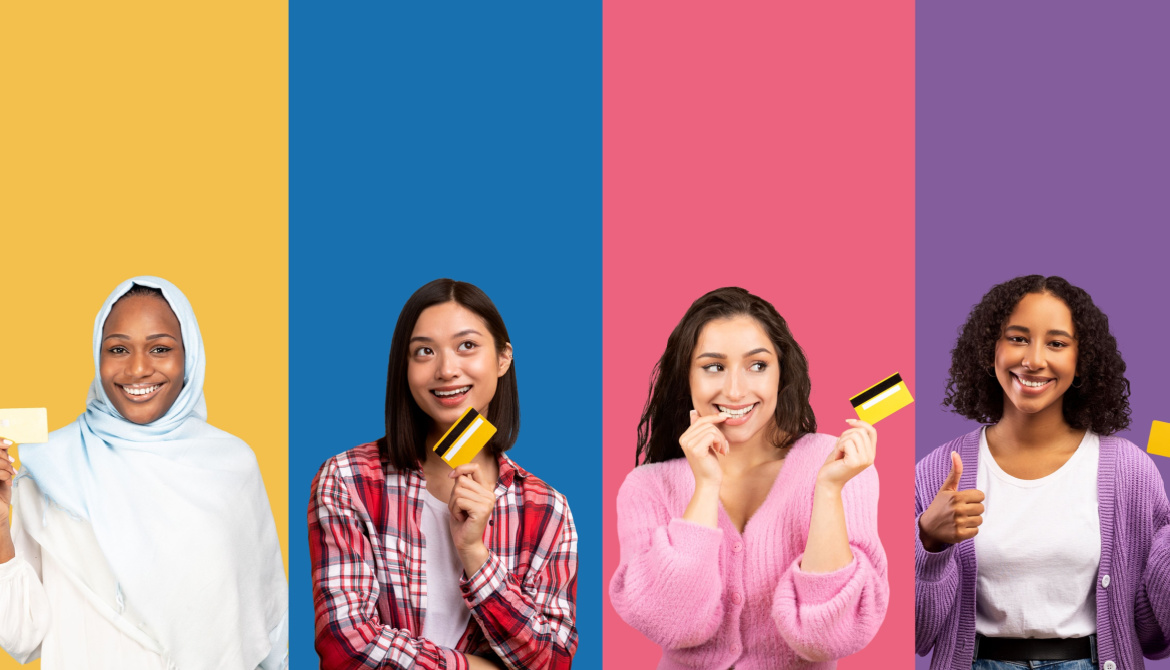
(1101, 402)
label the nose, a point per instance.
(1034, 357)
(140, 365)
(448, 367)
(733, 387)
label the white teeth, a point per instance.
(141, 390)
(444, 394)
(1029, 384)
(735, 413)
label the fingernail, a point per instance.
(6, 442)
(11, 459)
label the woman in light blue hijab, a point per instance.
(143, 537)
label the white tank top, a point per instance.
(447, 614)
(1039, 548)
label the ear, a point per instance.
(505, 359)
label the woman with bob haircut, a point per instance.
(1042, 538)
(142, 538)
(747, 538)
(418, 565)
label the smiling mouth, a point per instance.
(451, 393)
(1036, 383)
(736, 413)
(140, 392)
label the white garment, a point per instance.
(447, 614)
(1039, 548)
(46, 614)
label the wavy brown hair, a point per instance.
(666, 414)
(1100, 399)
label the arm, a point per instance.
(668, 566)
(1152, 601)
(936, 573)
(832, 599)
(24, 607)
(345, 590)
(531, 624)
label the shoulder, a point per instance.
(360, 470)
(530, 487)
(939, 460)
(535, 500)
(1130, 460)
(659, 479)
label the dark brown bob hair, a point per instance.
(667, 412)
(1099, 399)
(404, 444)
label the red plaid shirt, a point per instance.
(369, 582)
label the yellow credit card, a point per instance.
(882, 399)
(1159, 443)
(465, 438)
(25, 426)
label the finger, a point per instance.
(969, 496)
(469, 469)
(973, 509)
(952, 480)
(966, 533)
(970, 521)
(694, 416)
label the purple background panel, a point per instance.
(1043, 146)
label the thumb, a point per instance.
(952, 481)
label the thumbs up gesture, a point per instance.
(953, 515)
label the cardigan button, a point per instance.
(737, 598)
(735, 650)
(737, 547)
(1109, 665)
(1105, 581)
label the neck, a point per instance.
(1042, 430)
(746, 456)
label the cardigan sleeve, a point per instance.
(667, 583)
(1152, 602)
(24, 606)
(349, 634)
(936, 574)
(825, 616)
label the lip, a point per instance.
(739, 420)
(1028, 390)
(147, 397)
(452, 400)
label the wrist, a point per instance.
(929, 543)
(473, 558)
(827, 488)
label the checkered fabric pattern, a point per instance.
(370, 587)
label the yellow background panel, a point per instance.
(147, 138)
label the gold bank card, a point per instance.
(25, 426)
(1159, 443)
(882, 399)
(465, 438)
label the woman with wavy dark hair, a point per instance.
(747, 538)
(420, 565)
(1041, 536)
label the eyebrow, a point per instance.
(462, 333)
(1051, 332)
(753, 352)
(156, 336)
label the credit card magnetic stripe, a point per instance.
(887, 385)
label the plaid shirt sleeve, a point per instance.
(530, 623)
(349, 633)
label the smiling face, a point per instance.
(453, 364)
(1036, 355)
(735, 369)
(141, 362)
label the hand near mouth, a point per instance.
(703, 443)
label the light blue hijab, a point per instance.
(179, 510)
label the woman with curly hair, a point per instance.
(1041, 537)
(748, 539)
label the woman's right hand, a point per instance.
(7, 473)
(702, 444)
(953, 515)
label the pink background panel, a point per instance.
(769, 147)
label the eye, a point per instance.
(714, 367)
(758, 366)
(117, 350)
(1017, 339)
(423, 351)
(1058, 344)
(467, 346)
(160, 350)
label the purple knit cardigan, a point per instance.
(1133, 582)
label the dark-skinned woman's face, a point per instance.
(142, 355)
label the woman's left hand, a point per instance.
(471, 506)
(853, 453)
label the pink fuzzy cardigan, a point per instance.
(713, 598)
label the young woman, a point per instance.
(417, 565)
(143, 538)
(747, 539)
(1040, 537)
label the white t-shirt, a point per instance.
(446, 612)
(1039, 548)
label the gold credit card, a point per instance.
(882, 399)
(465, 438)
(1159, 443)
(25, 426)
